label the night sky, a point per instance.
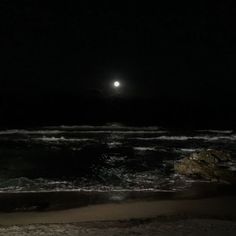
(176, 63)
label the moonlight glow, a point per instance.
(116, 84)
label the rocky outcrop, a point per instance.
(208, 164)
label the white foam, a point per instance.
(189, 149)
(145, 148)
(103, 127)
(114, 144)
(184, 138)
(22, 131)
(63, 139)
(86, 130)
(120, 132)
(217, 131)
(84, 190)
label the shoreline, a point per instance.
(204, 209)
(55, 201)
(212, 208)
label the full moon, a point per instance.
(116, 84)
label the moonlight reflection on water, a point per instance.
(101, 158)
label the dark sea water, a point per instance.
(101, 158)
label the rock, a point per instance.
(207, 164)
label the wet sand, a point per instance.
(199, 211)
(52, 201)
(219, 207)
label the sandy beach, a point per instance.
(205, 216)
(193, 227)
(221, 208)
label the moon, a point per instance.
(116, 84)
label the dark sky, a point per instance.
(164, 51)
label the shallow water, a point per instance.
(101, 158)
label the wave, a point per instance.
(121, 132)
(184, 138)
(92, 189)
(119, 129)
(81, 131)
(62, 139)
(25, 185)
(217, 131)
(145, 149)
(114, 144)
(103, 127)
(22, 131)
(188, 150)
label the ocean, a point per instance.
(102, 158)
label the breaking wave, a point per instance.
(185, 138)
(100, 158)
(62, 139)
